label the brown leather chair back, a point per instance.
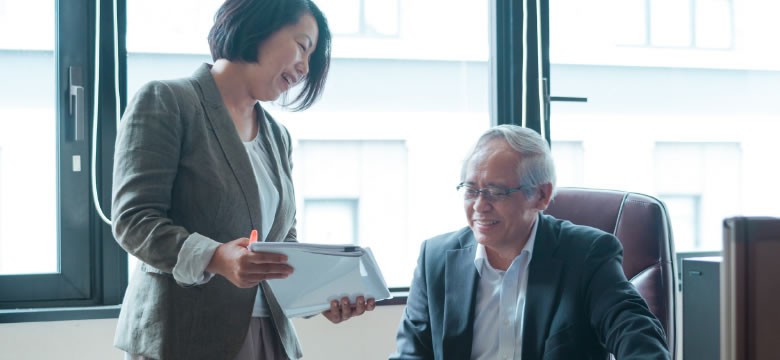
(641, 223)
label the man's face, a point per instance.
(502, 226)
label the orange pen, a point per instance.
(253, 236)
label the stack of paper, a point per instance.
(323, 273)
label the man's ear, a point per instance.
(545, 195)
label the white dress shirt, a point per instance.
(192, 261)
(498, 312)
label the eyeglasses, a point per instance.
(491, 194)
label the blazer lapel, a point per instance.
(231, 145)
(543, 290)
(460, 293)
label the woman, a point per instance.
(198, 165)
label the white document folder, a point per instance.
(323, 273)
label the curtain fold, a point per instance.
(520, 64)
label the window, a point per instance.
(569, 160)
(51, 247)
(684, 211)
(691, 125)
(706, 24)
(703, 181)
(362, 17)
(330, 221)
(26, 190)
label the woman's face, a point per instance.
(283, 59)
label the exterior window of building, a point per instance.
(330, 221)
(706, 24)
(569, 162)
(694, 125)
(363, 17)
(684, 212)
(703, 183)
(713, 24)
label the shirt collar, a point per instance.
(480, 259)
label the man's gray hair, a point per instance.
(536, 166)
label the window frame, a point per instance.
(92, 267)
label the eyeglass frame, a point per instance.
(487, 196)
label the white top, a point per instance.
(269, 201)
(192, 261)
(498, 313)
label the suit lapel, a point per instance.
(460, 293)
(543, 290)
(228, 139)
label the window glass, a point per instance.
(330, 221)
(28, 188)
(670, 22)
(686, 209)
(713, 24)
(344, 16)
(380, 154)
(381, 17)
(703, 183)
(694, 125)
(569, 164)
(631, 27)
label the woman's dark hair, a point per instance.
(241, 26)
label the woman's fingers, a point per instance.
(245, 268)
(343, 310)
(266, 257)
(334, 314)
(253, 269)
(360, 306)
(265, 263)
(346, 309)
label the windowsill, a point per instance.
(59, 314)
(111, 312)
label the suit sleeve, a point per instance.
(413, 340)
(618, 313)
(146, 159)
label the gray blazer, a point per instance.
(181, 172)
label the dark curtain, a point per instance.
(520, 58)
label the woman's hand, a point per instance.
(337, 313)
(245, 268)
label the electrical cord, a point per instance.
(96, 92)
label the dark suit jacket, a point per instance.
(579, 304)
(181, 172)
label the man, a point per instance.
(518, 284)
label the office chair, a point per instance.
(750, 317)
(642, 225)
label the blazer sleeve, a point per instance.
(413, 340)
(146, 159)
(618, 313)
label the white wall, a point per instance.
(371, 336)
